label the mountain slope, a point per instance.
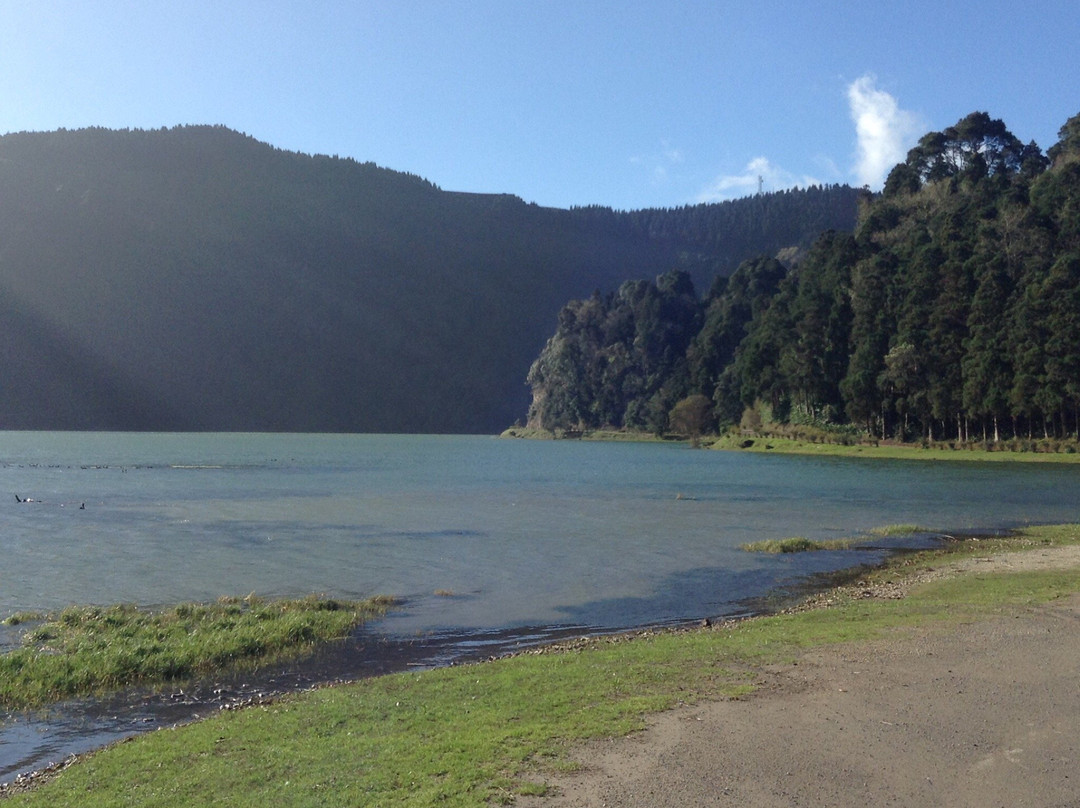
(196, 279)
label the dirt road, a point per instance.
(986, 714)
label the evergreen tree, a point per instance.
(986, 365)
(954, 311)
(1061, 291)
(871, 326)
(743, 297)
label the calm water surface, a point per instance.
(521, 532)
(484, 539)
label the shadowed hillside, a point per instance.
(196, 279)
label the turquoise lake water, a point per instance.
(520, 533)
(519, 537)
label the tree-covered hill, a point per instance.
(194, 278)
(953, 311)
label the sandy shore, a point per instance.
(985, 714)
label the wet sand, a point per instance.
(983, 714)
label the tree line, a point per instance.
(951, 312)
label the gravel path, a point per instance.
(985, 714)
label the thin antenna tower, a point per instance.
(760, 183)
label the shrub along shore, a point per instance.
(485, 733)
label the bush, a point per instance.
(751, 420)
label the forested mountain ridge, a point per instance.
(952, 311)
(195, 278)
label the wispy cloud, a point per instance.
(884, 132)
(759, 171)
(659, 162)
(671, 153)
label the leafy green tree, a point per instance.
(1055, 195)
(692, 416)
(976, 146)
(1068, 146)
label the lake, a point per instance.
(486, 541)
(509, 533)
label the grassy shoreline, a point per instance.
(1036, 451)
(86, 650)
(484, 733)
(907, 451)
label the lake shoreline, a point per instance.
(1037, 451)
(861, 584)
(914, 717)
(368, 652)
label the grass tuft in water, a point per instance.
(898, 530)
(796, 544)
(18, 618)
(88, 649)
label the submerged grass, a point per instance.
(801, 544)
(796, 544)
(897, 530)
(485, 733)
(88, 649)
(21, 617)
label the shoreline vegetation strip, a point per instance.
(487, 732)
(84, 650)
(801, 544)
(1014, 451)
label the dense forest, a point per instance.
(194, 278)
(952, 312)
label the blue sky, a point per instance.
(627, 104)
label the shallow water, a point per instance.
(477, 535)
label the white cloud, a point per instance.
(759, 170)
(884, 132)
(671, 153)
(659, 162)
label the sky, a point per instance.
(626, 104)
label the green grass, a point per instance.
(482, 734)
(897, 530)
(801, 544)
(1015, 451)
(88, 649)
(781, 445)
(22, 617)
